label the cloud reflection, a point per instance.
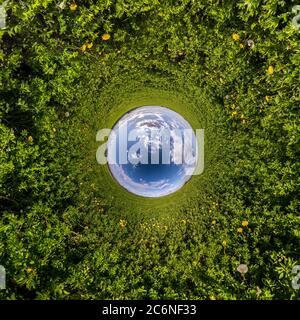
(154, 179)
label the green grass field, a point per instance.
(68, 230)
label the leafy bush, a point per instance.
(67, 231)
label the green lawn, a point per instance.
(68, 230)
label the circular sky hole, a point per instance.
(152, 151)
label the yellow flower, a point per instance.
(234, 113)
(267, 98)
(83, 48)
(235, 37)
(31, 270)
(73, 6)
(245, 223)
(122, 223)
(214, 222)
(239, 230)
(89, 45)
(270, 70)
(30, 139)
(105, 36)
(224, 243)
(241, 46)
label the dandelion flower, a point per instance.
(241, 46)
(234, 113)
(224, 243)
(30, 270)
(270, 70)
(122, 223)
(245, 223)
(83, 48)
(250, 44)
(242, 268)
(89, 45)
(235, 37)
(30, 139)
(239, 230)
(105, 36)
(73, 6)
(214, 222)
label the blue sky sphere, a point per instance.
(152, 151)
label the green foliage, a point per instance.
(67, 231)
